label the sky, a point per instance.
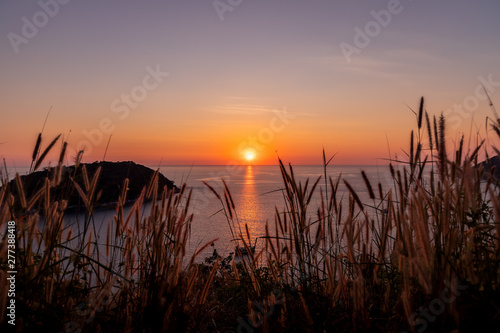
(217, 82)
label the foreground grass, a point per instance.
(420, 255)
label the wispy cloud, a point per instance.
(244, 109)
(385, 64)
(236, 105)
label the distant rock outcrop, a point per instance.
(491, 166)
(109, 184)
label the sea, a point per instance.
(257, 193)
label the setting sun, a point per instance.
(249, 155)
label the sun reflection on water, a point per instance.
(249, 206)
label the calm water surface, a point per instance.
(256, 191)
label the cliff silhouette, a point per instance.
(109, 184)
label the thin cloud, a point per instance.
(252, 109)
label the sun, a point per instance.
(249, 155)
